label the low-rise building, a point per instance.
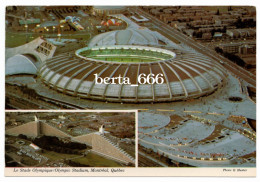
(35, 147)
(189, 32)
(241, 33)
(206, 36)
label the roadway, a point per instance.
(153, 159)
(171, 32)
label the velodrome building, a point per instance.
(101, 10)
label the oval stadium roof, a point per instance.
(186, 75)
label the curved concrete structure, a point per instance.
(185, 75)
(128, 36)
(39, 48)
(20, 64)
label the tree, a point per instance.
(22, 136)
(169, 161)
(217, 12)
(219, 50)
(224, 29)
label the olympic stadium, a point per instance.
(186, 75)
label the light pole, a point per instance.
(37, 28)
(53, 29)
(59, 37)
(60, 32)
(26, 27)
(61, 28)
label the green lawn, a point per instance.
(56, 156)
(125, 59)
(16, 39)
(96, 161)
(91, 159)
(28, 161)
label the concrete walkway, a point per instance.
(153, 159)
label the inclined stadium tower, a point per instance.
(186, 73)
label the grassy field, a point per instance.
(28, 161)
(96, 161)
(91, 159)
(125, 59)
(56, 156)
(17, 39)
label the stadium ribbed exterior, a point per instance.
(186, 74)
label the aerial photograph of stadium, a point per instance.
(69, 139)
(190, 71)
